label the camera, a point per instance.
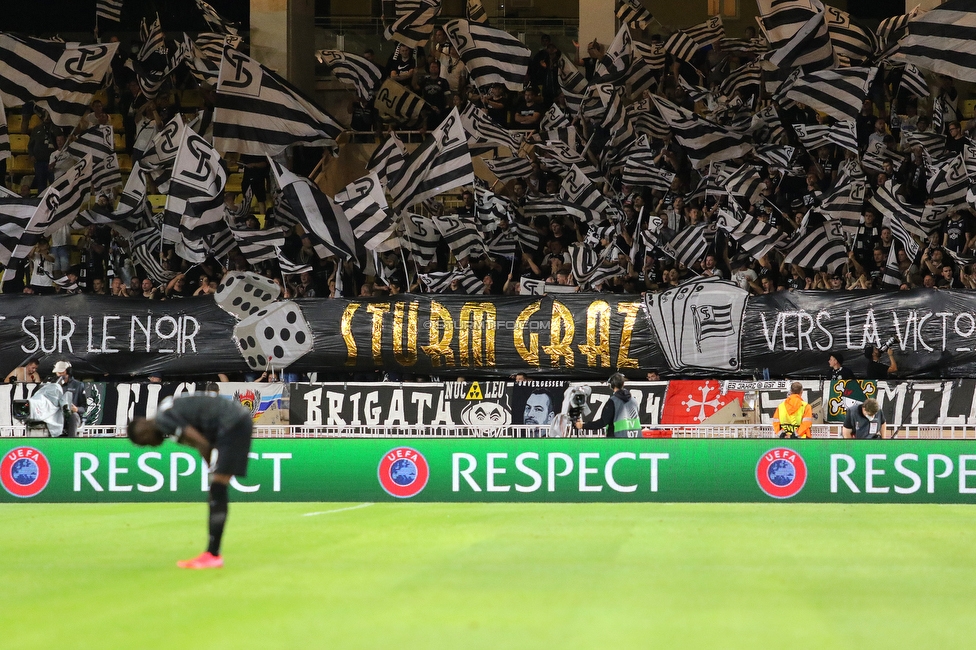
(576, 401)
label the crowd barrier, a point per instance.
(733, 408)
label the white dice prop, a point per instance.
(277, 335)
(244, 294)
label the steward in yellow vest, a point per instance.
(794, 417)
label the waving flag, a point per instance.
(490, 55)
(360, 73)
(259, 112)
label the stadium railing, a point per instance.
(743, 431)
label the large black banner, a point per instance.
(703, 329)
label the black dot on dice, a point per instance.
(292, 317)
(251, 341)
(254, 309)
(251, 361)
(229, 282)
(236, 301)
(249, 288)
(244, 344)
(279, 351)
(262, 312)
(285, 335)
(246, 306)
(299, 337)
(269, 332)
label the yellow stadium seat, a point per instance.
(234, 183)
(18, 143)
(14, 122)
(157, 201)
(125, 163)
(115, 119)
(969, 108)
(119, 142)
(20, 165)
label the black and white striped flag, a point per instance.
(585, 261)
(767, 120)
(839, 93)
(681, 46)
(413, 29)
(554, 119)
(848, 38)
(153, 40)
(395, 100)
(745, 183)
(441, 163)
(653, 54)
(259, 245)
(441, 281)
(645, 120)
(892, 275)
(578, 189)
(753, 237)
(482, 131)
(633, 13)
(109, 10)
(704, 141)
(4, 136)
(819, 247)
(15, 216)
(195, 204)
(503, 243)
(318, 215)
(364, 204)
(797, 34)
(388, 159)
(640, 170)
(260, 113)
(106, 176)
(59, 205)
(507, 169)
(490, 55)
(571, 80)
(891, 29)
(913, 81)
(145, 246)
(200, 64)
(919, 221)
(61, 78)
(688, 246)
(353, 70)
(97, 142)
(549, 206)
(215, 20)
(157, 161)
(709, 32)
(779, 156)
(461, 234)
(948, 182)
(421, 237)
(211, 45)
(943, 40)
(475, 12)
(617, 60)
(844, 135)
(745, 80)
(845, 202)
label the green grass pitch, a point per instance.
(414, 575)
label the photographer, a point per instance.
(621, 415)
(75, 390)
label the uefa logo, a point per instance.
(24, 472)
(781, 473)
(403, 472)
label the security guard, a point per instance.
(794, 417)
(621, 414)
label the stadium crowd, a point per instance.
(632, 241)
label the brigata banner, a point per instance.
(493, 470)
(704, 328)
